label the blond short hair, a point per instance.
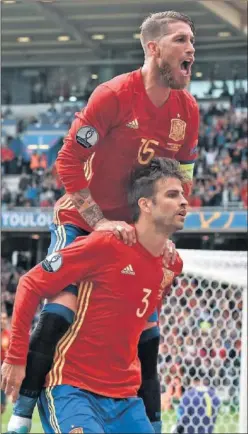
(155, 25)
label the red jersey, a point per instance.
(5, 339)
(118, 129)
(119, 288)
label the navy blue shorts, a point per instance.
(68, 409)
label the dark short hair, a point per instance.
(143, 179)
(155, 25)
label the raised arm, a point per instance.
(91, 126)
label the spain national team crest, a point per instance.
(76, 430)
(168, 278)
(177, 130)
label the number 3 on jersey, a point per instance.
(146, 152)
(145, 303)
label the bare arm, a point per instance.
(87, 207)
(92, 214)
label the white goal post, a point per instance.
(203, 324)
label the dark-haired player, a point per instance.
(96, 373)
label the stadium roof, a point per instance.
(106, 32)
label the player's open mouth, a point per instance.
(186, 67)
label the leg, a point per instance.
(3, 402)
(55, 319)
(132, 418)
(65, 409)
(150, 387)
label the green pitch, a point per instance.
(36, 425)
(227, 421)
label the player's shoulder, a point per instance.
(110, 242)
(99, 237)
(186, 98)
(105, 239)
(121, 83)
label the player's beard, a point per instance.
(167, 78)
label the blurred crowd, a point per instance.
(39, 187)
(200, 327)
(221, 168)
(10, 275)
(55, 115)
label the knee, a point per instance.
(49, 330)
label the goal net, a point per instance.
(203, 343)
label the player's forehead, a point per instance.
(164, 185)
(176, 28)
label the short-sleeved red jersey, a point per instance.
(119, 288)
(118, 129)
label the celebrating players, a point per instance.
(96, 374)
(127, 121)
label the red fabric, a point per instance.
(244, 195)
(123, 143)
(187, 188)
(34, 162)
(195, 201)
(99, 353)
(5, 339)
(45, 203)
(7, 154)
(43, 161)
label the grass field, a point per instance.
(227, 421)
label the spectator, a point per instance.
(7, 157)
(52, 109)
(11, 290)
(6, 197)
(198, 408)
(43, 161)
(34, 161)
(31, 193)
(244, 193)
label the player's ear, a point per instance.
(153, 48)
(145, 205)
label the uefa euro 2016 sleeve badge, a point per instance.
(167, 278)
(177, 130)
(87, 136)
